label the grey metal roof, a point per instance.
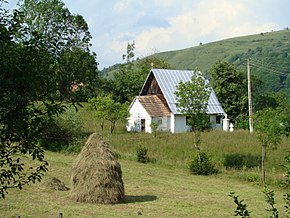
(168, 81)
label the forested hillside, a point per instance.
(269, 53)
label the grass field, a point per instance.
(152, 190)
(164, 188)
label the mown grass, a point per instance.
(152, 190)
(161, 189)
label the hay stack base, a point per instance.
(55, 184)
(96, 174)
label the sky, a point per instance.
(166, 25)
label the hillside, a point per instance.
(269, 53)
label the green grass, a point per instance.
(151, 189)
(177, 149)
(161, 189)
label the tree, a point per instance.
(31, 71)
(60, 29)
(67, 38)
(270, 125)
(192, 100)
(110, 110)
(230, 87)
(130, 77)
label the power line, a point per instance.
(271, 67)
(268, 70)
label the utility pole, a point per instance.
(250, 98)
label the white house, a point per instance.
(157, 103)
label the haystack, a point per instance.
(96, 174)
(55, 184)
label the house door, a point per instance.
(142, 125)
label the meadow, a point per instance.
(164, 187)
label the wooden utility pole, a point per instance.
(250, 98)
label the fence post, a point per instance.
(60, 215)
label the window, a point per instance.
(159, 121)
(187, 121)
(218, 119)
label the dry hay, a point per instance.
(55, 184)
(96, 174)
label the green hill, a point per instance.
(269, 53)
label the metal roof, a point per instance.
(168, 81)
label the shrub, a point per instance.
(202, 165)
(238, 161)
(142, 155)
(62, 132)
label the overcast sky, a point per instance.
(164, 25)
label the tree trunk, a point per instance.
(102, 124)
(196, 141)
(263, 163)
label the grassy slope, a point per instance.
(203, 57)
(163, 189)
(153, 190)
(271, 49)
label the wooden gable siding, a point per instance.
(151, 87)
(154, 105)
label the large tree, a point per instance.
(59, 27)
(229, 85)
(30, 75)
(67, 38)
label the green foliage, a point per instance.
(108, 109)
(270, 124)
(241, 209)
(238, 161)
(130, 76)
(154, 127)
(229, 85)
(269, 198)
(59, 27)
(142, 155)
(192, 99)
(202, 165)
(33, 48)
(62, 133)
(269, 195)
(262, 48)
(287, 184)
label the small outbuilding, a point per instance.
(157, 103)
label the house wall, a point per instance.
(137, 112)
(214, 124)
(178, 123)
(164, 123)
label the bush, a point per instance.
(142, 155)
(202, 165)
(238, 161)
(62, 132)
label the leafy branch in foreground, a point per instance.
(241, 209)
(269, 194)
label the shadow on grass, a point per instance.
(141, 198)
